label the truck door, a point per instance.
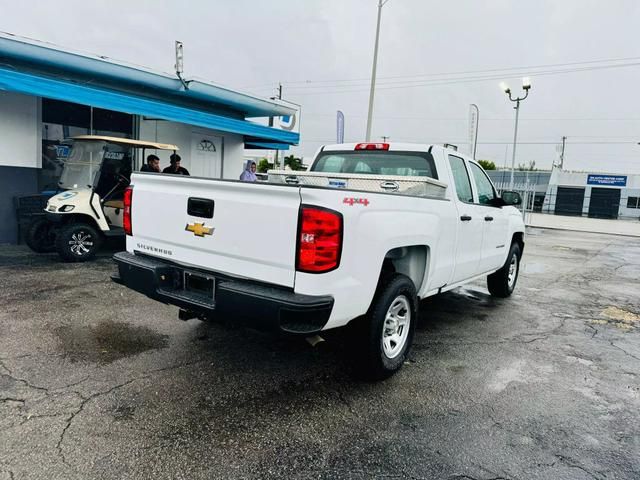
(470, 223)
(495, 223)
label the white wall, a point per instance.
(194, 144)
(579, 179)
(20, 130)
(629, 212)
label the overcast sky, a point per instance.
(322, 52)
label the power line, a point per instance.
(413, 140)
(463, 72)
(354, 89)
(493, 119)
(500, 75)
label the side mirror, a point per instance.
(511, 198)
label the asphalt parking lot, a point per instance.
(99, 382)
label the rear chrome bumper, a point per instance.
(265, 307)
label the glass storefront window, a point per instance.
(54, 153)
(63, 120)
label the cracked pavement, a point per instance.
(100, 382)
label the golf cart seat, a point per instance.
(114, 204)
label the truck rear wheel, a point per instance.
(502, 282)
(385, 334)
(41, 236)
(78, 242)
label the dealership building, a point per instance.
(48, 95)
(589, 194)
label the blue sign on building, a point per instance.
(608, 180)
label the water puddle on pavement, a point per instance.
(534, 268)
(107, 341)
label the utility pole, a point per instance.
(564, 139)
(373, 71)
(384, 138)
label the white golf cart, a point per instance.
(89, 209)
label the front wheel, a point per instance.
(385, 334)
(41, 236)
(78, 242)
(502, 282)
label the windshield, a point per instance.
(406, 164)
(84, 161)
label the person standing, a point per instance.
(152, 165)
(175, 167)
(249, 174)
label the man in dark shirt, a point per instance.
(152, 165)
(175, 167)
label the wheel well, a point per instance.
(411, 261)
(518, 238)
(80, 218)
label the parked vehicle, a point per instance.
(357, 240)
(89, 208)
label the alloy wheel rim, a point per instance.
(513, 271)
(395, 330)
(81, 243)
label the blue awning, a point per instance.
(254, 145)
(48, 60)
(38, 85)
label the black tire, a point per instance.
(41, 236)
(78, 242)
(498, 282)
(372, 359)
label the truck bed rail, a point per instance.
(409, 186)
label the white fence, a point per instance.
(527, 192)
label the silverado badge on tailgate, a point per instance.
(199, 229)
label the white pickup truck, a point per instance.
(359, 239)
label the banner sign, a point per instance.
(340, 127)
(608, 180)
(474, 113)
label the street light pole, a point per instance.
(526, 86)
(373, 70)
(515, 138)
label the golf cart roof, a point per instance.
(127, 141)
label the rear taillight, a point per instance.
(126, 215)
(372, 146)
(319, 240)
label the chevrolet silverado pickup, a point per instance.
(356, 241)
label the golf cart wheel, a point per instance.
(41, 236)
(385, 334)
(502, 283)
(78, 242)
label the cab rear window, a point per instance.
(404, 164)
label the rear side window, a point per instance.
(461, 179)
(405, 164)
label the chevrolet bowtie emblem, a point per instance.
(199, 229)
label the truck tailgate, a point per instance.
(251, 234)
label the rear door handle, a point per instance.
(465, 218)
(488, 219)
